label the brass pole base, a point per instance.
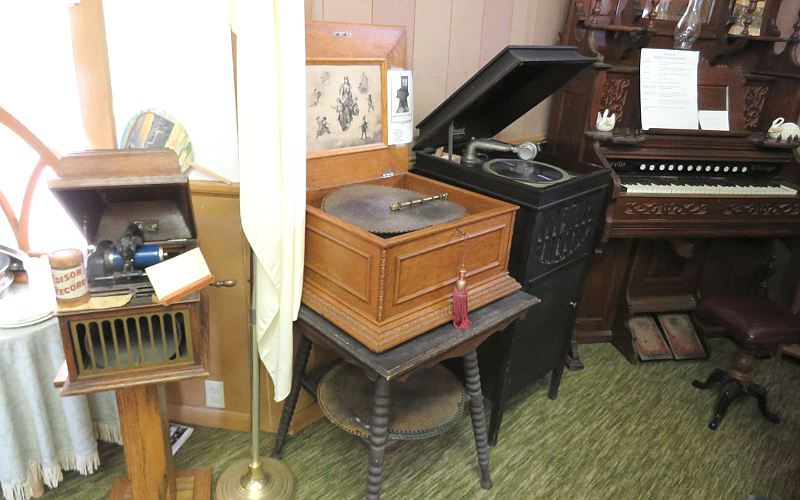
(273, 480)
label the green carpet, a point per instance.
(616, 431)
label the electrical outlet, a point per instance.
(215, 394)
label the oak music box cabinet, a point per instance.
(384, 289)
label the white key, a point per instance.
(709, 189)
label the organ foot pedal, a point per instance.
(665, 336)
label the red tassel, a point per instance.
(460, 301)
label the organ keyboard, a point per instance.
(680, 196)
(701, 178)
(706, 187)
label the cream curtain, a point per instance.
(271, 111)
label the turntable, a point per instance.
(561, 205)
(385, 276)
(533, 173)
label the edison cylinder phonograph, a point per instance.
(130, 222)
(561, 203)
(135, 209)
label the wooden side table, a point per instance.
(422, 352)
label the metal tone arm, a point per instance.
(525, 150)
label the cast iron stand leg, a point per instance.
(501, 387)
(473, 377)
(716, 376)
(377, 438)
(730, 391)
(760, 394)
(300, 362)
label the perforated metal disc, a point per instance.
(426, 405)
(367, 206)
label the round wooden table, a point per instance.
(44, 433)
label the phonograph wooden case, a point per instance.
(390, 285)
(135, 209)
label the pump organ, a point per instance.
(692, 211)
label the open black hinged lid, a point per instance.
(102, 193)
(508, 86)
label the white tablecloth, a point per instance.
(41, 433)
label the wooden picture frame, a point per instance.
(342, 135)
(739, 14)
(346, 44)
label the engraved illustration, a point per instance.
(340, 112)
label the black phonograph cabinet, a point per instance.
(561, 203)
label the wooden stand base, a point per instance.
(190, 484)
(148, 454)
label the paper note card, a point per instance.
(401, 106)
(179, 276)
(714, 120)
(668, 84)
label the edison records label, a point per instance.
(69, 277)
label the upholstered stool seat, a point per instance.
(757, 325)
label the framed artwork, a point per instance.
(344, 106)
(739, 14)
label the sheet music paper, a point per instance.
(401, 106)
(668, 84)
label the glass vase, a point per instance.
(688, 28)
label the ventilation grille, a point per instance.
(565, 230)
(130, 342)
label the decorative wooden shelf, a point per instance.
(617, 28)
(759, 38)
(760, 139)
(623, 137)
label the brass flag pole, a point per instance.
(257, 477)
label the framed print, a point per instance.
(739, 15)
(343, 105)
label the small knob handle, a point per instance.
(573, 304)
(225, 283)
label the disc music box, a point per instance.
(384, 247)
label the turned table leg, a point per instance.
(377, 438)
(473, 377)
(300, 362)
